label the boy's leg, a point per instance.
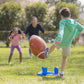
(66, 51)
(30, 53)
(51, 49)
(20, 51)
(64, 61)
(11, 53)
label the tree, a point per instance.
(74, 12)
(38, 9)
(70, 1)
(52, 2)
(9, 15)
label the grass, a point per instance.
(26, 73)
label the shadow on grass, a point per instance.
(3, 64)
(53, 78)
(6, 65)
(22, 58)
(77, 53)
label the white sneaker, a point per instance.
(62, 74)
(46, 52)
(21, 62)
(30, 57)
(9, 63)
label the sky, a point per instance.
(82, 2)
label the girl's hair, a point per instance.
(19, 30)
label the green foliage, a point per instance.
(52, 2)
(48, 22)
(74, 12)
(9, 15)
(69, 1)
(38, 9)
(22, 22)
(80, 20)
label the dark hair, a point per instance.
(19, 31)
(33, 17)
(65, 12)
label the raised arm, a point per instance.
(41, 28)
(26, 31)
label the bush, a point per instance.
(48, 22)
(9, 15)
(74, 12)
(22, 22)
(38, 9)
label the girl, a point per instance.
(14, 36)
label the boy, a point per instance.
(33, 29)
(68, 29)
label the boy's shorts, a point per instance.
(66, 51)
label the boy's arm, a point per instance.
(80, 28)
(41, 28)
(27, 29)
(59, 37)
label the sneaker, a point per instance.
(21, 62)
(46, 52)
(62, 74)
(9, 63)
(30, 57)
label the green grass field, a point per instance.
(26, 73)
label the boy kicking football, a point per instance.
(68, 30)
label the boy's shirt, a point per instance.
(68, 29)
(30, 30)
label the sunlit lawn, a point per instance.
(27, 72)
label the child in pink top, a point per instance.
(14, 37)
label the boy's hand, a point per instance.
(46, 32)
(75, 38)
(58, 42)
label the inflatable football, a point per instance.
(37, 46)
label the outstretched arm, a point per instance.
(46, 32)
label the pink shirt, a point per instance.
(15, 40)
